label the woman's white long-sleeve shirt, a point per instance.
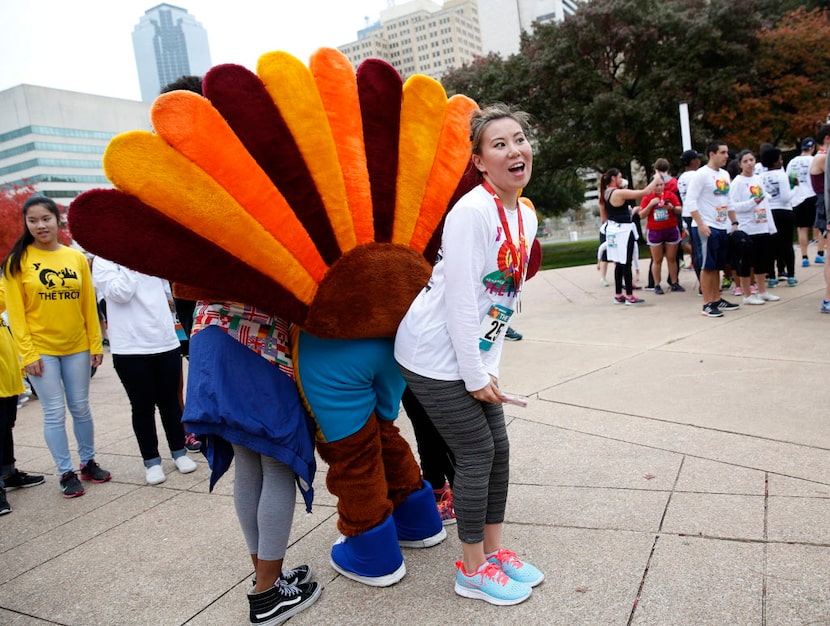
(754, 218)
(440, 336)
(139, 320)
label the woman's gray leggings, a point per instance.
(477, 436)
(264, 493)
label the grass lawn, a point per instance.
(572, 253)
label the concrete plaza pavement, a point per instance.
(669, 469)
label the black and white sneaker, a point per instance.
(22, 480)
(710, 309)
(296, 576)
(4, 503)
(724, 305)
(275, 605)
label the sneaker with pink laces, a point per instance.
(191, 443)
(515, 568)
(491, 584)
(443, 500)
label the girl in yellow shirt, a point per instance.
(54, 319)
(11, 386)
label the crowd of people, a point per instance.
(736, 214)
(448, 349)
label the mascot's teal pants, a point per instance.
(352, 388)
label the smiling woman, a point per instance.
(53, 316)
(449, 345)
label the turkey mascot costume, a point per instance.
(316, 194)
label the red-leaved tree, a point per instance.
(12, 197)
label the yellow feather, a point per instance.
(422, 116)
(292, 88)
(144, 165)
(190, 124)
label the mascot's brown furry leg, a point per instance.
(356, 478)
(371, 472)
(403, 474)
(417, 521)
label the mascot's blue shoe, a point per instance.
(417, 520)
(373, 558)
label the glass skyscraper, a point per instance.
(168, 43)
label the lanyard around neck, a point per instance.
(519, 257)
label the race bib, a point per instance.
(493, 325)
(760, 215)
(721, 215)
(661, 214)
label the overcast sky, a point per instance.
(86, 45)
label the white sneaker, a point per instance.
(185, 465)
(768, 297)
(753, 299)
(154, 475)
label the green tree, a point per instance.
(609, 79)
(490, 79)
(554, 188)
(604, 85)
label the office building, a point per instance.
(421, 37)
(503, 21)
(55, 139)
(168, 43)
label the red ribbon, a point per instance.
(519, 257)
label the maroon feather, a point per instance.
(241, 98)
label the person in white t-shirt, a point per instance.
(707, 203)
(779, 195)
(804, 200)
(449, 344)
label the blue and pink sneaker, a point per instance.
(515, 568)
(491, 584)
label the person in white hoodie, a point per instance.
(146, 355)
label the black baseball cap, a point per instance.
(688, 155)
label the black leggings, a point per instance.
(152, 380)
(437, 462)
(8, 415)
(622, 271)
(783, 243)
